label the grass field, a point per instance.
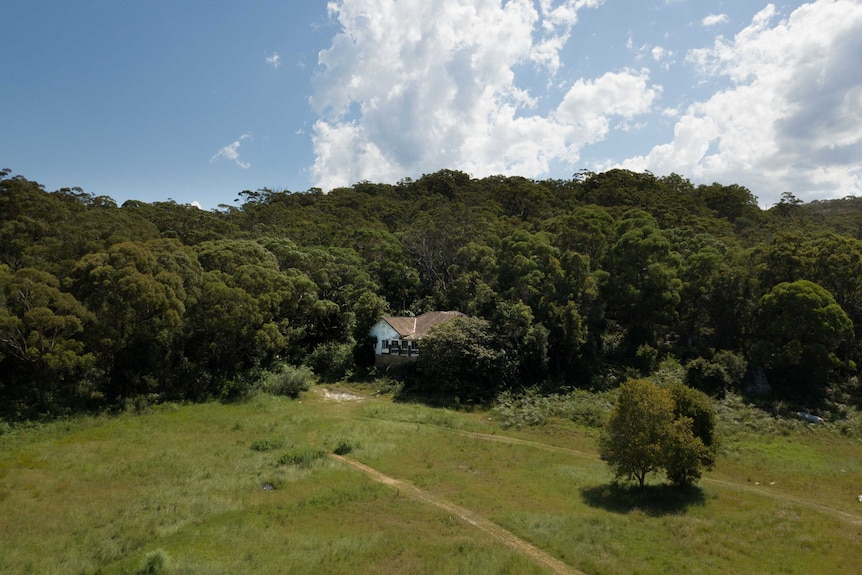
(252, 488)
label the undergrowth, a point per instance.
(531, 408)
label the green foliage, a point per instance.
(40, 332)
(652, 428)
(579, 281)
(525, 409)
(332, 361)
(632, 443)
(302, 457)
(529, 408)
(693, 410)
(801, 332)
(587, 408)
(267, 444)
(546, 484)
(342, 446)
(288, 380)
(708, 376)
(462, 359)
(155, 563)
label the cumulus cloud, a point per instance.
(714, 20)
(791, 117)
(231, 153)
(413, 86)
(274, 60)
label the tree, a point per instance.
(642, 289)
(39, 330)
(460, 359)
(692, 454)
(648, 430)
(139, 311)
(800, 329)
(632, 442)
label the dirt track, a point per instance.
(506, 537)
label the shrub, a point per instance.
(332, 361)
(734, 365)
(303, 457)
(707, 376)
(527, 408)
(234, 388)
(289, 381)
(267, 444)
(669, 371)
(344, 446)
(588, 408)
(531, 408)
(155, 563)
(461, 361)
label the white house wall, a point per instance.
(383, 332)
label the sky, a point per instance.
(195, 101)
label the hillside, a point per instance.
(582, 283)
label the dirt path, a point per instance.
(516, 441)
(852, 518)
(506, 537)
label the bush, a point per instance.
(303, 457)
(588, 408)
(267, 444)
(461, 361)
(289, 381)
(344, 446)
(530, 408)
(234, 388)
(734, 365)
(527, 408)
(707, 376)
(332, 361)
(155, 563)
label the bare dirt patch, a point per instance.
(338, 395)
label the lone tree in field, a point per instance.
(647, 432)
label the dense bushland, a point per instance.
(570, 284)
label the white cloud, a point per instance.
(412, 86)
(791, 119)
(231, 153)
(714, 20)
(662, 56)
(275, 60)
(197, 204)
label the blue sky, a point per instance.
(197, 101)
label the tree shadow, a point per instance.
(653, 500)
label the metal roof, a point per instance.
(415, 327)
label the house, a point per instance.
(397, 338)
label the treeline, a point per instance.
(572, 283)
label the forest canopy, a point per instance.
(575, 283)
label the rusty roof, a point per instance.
(415, 327)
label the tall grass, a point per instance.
(248, 488)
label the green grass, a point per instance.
(249, 488)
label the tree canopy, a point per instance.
(653, 428)
(567, 283)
